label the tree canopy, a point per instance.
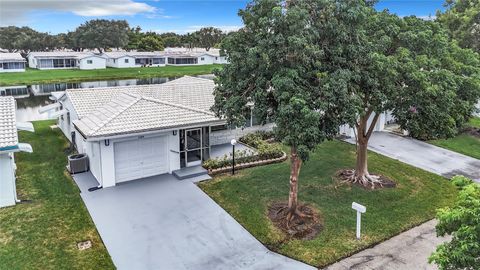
(274, 67)
(102, 34)
(208, 37)
(462, 19)
(150, 43)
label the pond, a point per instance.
(31, 97)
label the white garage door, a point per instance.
(141, 158)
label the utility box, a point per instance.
(77, 163)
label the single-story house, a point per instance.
(12, 62)
(17, 91)
(66, 60)
(135, 59)
(132, 132)
(194, 56)
(8, 146)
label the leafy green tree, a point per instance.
(462, 19)
(274, 65)
(150, 43)
(462, 222)
(208, 37)
(102, 34)
(404, 65)
(134, 36)
(171, 39)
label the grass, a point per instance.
(35, 76)
(42, 234)
(247, 195)
(464, 143)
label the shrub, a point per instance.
(265, 151)
(462, 222)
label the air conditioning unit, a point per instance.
(77, 163)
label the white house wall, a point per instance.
(97, 63)
(206, 59)
(7, 180)
(120, 62)
(379, 126)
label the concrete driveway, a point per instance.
(163, 223)
(423, 155)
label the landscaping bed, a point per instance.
(267, 152)
(467, 143)
(35, 76)
(248, 195)
(45, 232)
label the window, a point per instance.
(219, 128)
(126, 61)
(114, 60)
(216, 58)
(89, 61)
(203, 59)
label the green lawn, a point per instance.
(43, 233)
(33, 76)
(464, 143)
(389, 211)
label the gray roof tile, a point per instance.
(8, 126)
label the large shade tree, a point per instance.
(274, 65)
(404, 65)
(102, 34)
(208, 37)
(462, 19)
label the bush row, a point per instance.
(256, 140)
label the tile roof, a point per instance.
(113, 111)
(8, 126)
(63, 54)
(11, 57)
(134, 54)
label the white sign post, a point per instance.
(360, 210)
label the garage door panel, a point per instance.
(141, 158)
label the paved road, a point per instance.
(405, 251)
(423, 155)
(163, 223)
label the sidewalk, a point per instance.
(406, 251)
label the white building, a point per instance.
(135, 59)
(66, 60)
(194, 56)
(8, 146)
(12, 62)
(133, 132)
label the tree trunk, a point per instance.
(295, 166)
(362, 157)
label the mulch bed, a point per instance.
(304, 228)
(472, 131)
(343, 176)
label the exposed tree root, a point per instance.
(366, 180)
(304, 223)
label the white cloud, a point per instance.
(15, 12)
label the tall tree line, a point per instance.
(102, 35)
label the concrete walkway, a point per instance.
(423, 155)
(408, 250)
(163, 223)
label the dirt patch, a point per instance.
(300, 227)
(383, 182)
(472, 131)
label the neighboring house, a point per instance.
(180, 57)
(17, 91)
(384, 120)
(135, 59)
(8, 146)
(133, 132)
(12, 62)
(66, 60)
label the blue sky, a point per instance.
(57, 16)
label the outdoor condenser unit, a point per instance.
(77, 163)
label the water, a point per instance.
(31, 97)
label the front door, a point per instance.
(193, 146)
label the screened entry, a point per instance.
(194, 146)
(12, 65)
(182, 61)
